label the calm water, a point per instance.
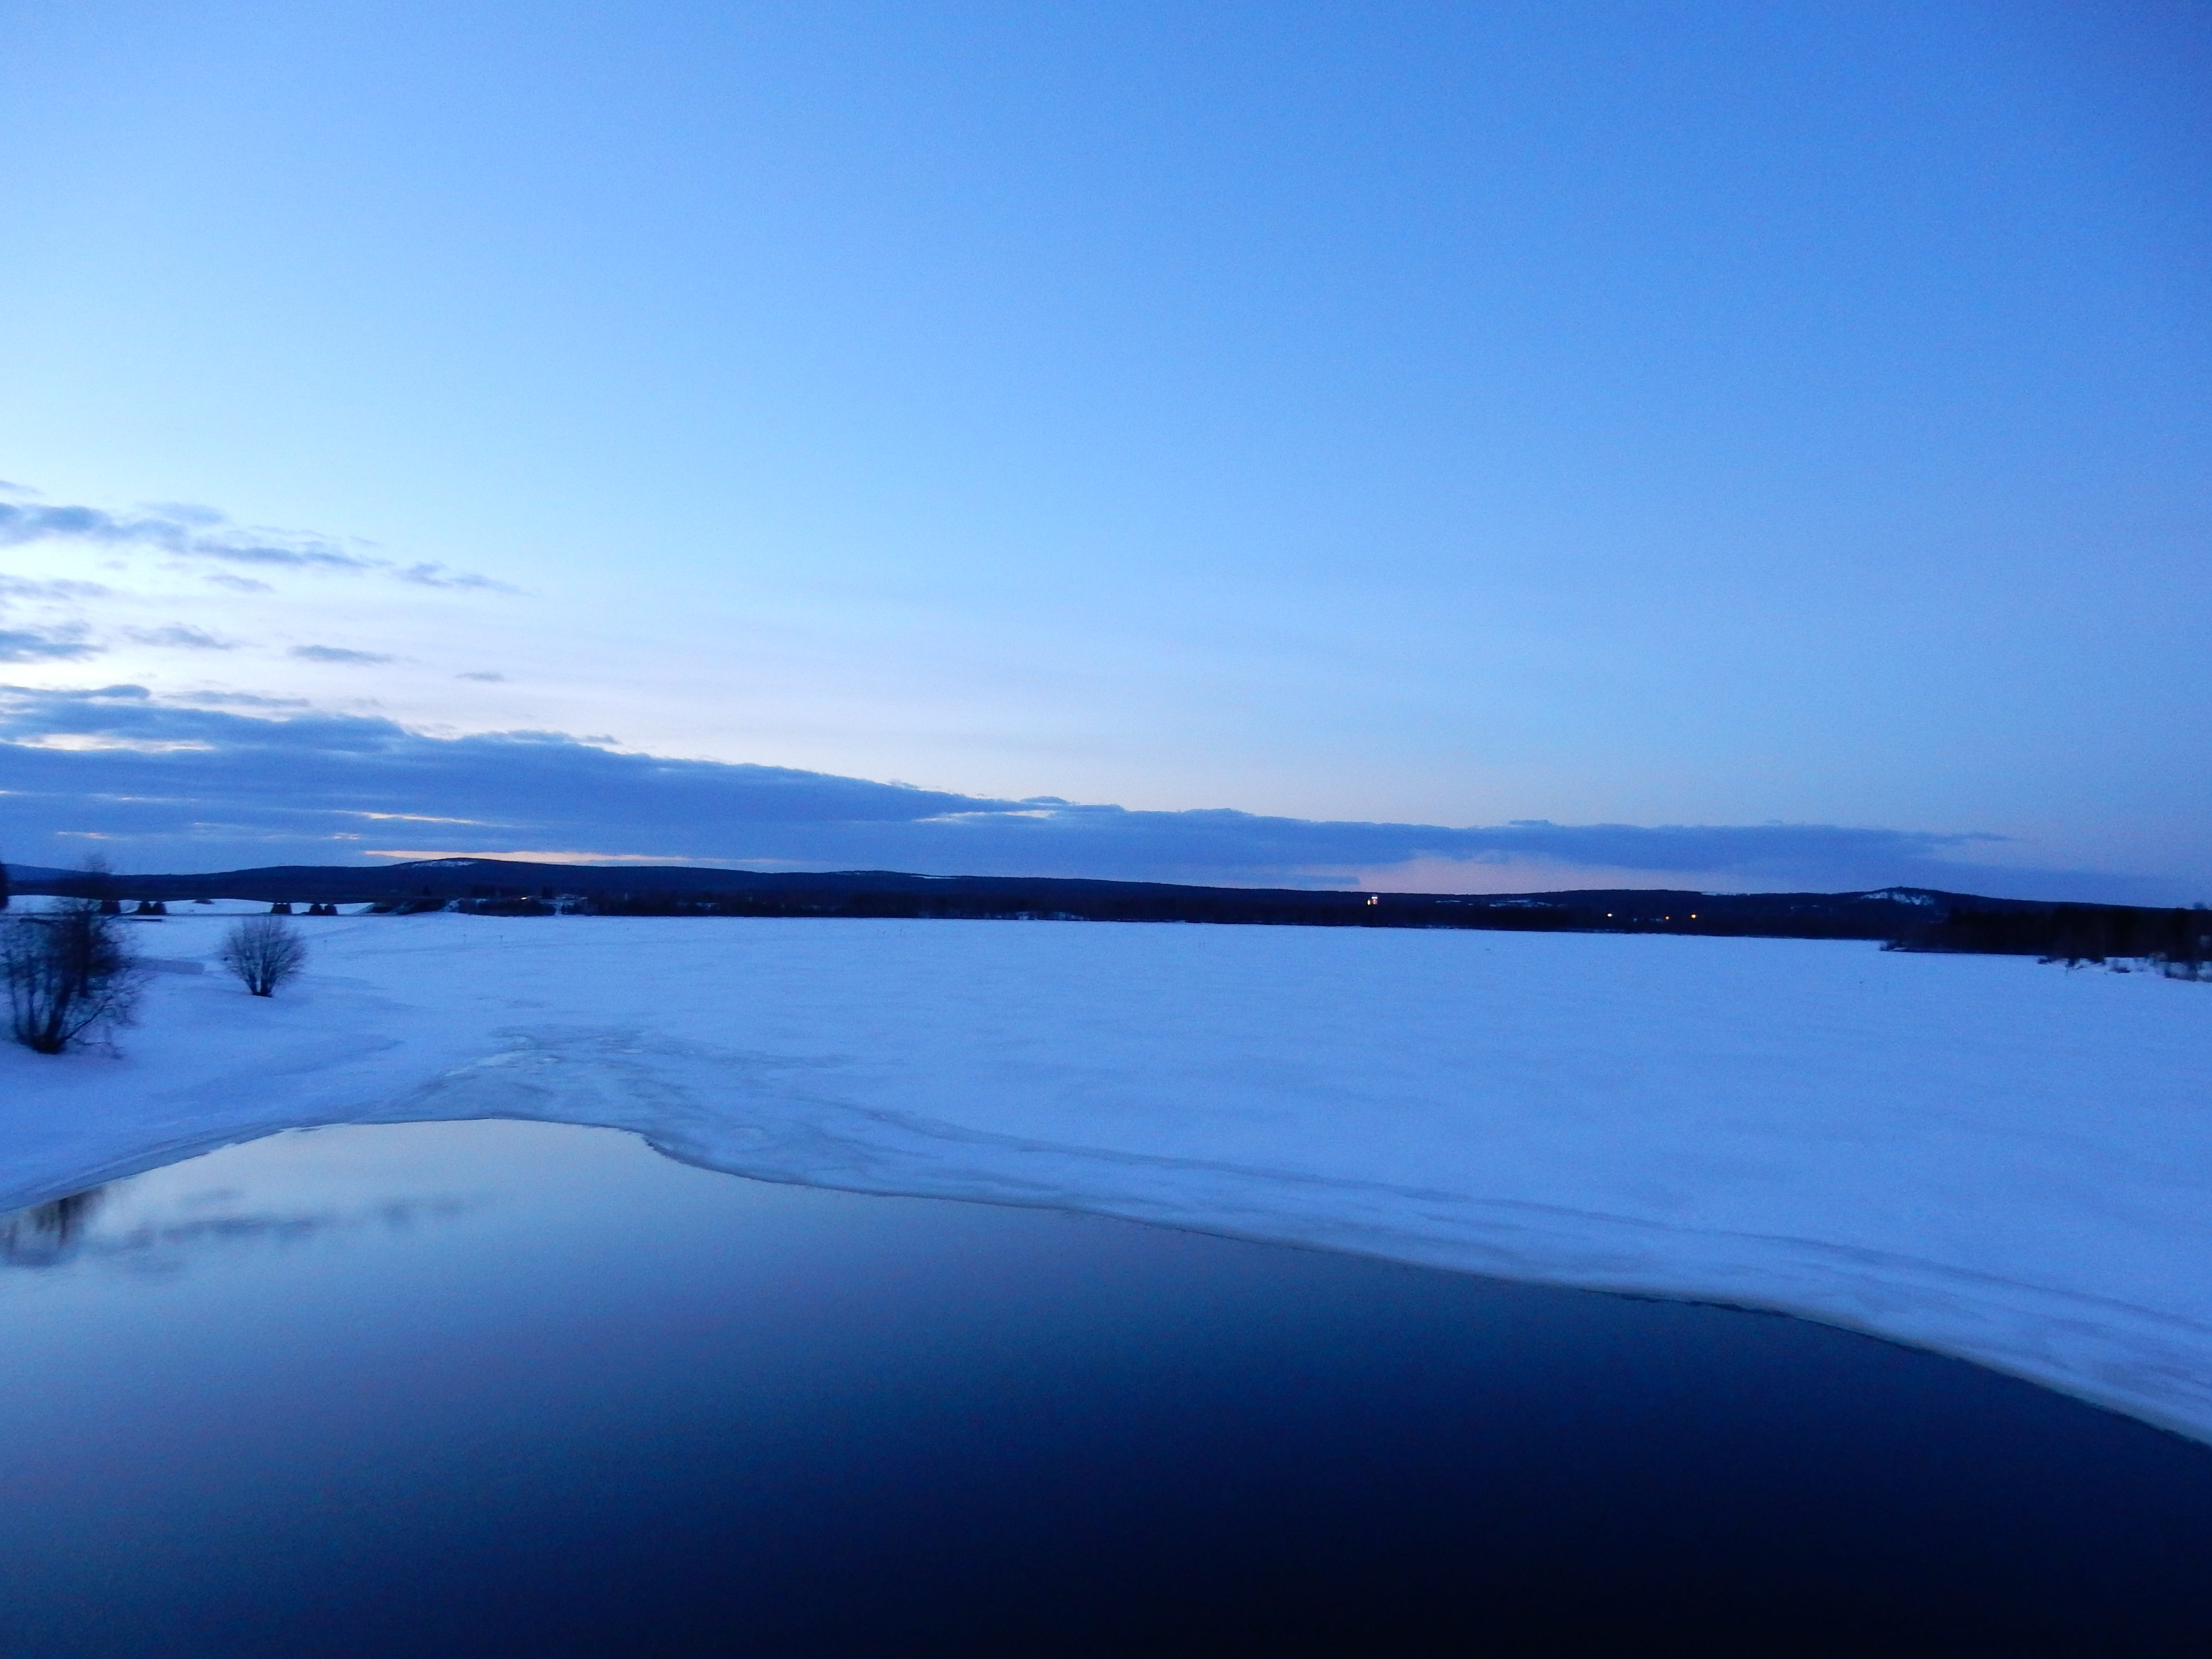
(500, 1388)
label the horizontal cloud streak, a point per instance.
(25, 588)
(44, 645)
(336, 654)
(177, 636)
(197, 788)
(198, 532)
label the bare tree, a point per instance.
(70, 973)
(265, 952)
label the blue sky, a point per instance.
(1785, 421)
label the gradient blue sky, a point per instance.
(1623, 415)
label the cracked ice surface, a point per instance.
(1979, 1156)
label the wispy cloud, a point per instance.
(242, 700)
(45, 645)
(336, 654)
(202, 788)
(177, 636)
(26, 587)
(436, 575)
(186, 532)
(192, 532)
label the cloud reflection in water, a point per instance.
(99, 1225)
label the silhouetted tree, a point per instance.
(69, 972)
(264, 951)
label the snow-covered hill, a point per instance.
(1978, 1155)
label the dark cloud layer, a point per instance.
(169, 787)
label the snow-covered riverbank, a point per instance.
(1980, 1156)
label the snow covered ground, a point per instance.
(1979, 1156)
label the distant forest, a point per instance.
(2176, 941)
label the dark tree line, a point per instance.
(2177, 942)
(1225, 907)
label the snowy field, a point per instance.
(1979, 1156)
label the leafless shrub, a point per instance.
(70, 973)
(265, 952)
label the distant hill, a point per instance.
(1906, 915)
(37, 878)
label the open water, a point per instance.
(492, 1388)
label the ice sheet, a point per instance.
(1981, 1156)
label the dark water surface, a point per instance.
(500, 1388)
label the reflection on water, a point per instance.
(49, 1233)
(156, 1224)
(507, 1388)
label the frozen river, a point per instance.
(1982, 1156)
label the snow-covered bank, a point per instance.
(1976, 1155)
